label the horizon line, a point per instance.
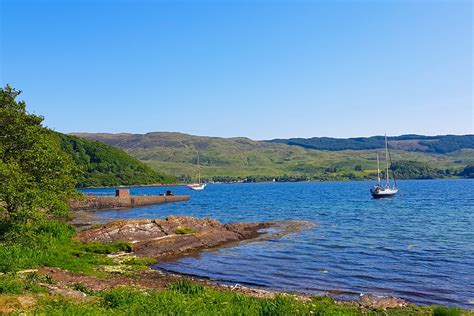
(277, 138)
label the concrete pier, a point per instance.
(122, 200)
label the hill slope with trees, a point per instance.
(224, 159)
(105, 165)
(430, 144)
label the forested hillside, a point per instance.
(103, 165)
(430, 144)
(226, 159)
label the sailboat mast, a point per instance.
(199, 171)
(378, 169)
(386, 156)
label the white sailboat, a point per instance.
(379, 190)
(199, 186)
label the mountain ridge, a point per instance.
(411, 142)
(242, 158)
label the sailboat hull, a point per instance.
(197, 186)
(379, 194)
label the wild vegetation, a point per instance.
(103, 165)
(37, 178)
(468, 172)
(187, 298)
(435, 144)
(231, 159)
(418, 170)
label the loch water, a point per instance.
(418, 246)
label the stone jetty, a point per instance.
(122, 199)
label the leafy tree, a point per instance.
(415, 170)
(358, 168)
(468, 172)
(36, 176)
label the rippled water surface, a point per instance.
(418, 246)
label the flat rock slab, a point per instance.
(159, 238)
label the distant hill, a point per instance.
(432, 144)
(104, 165)
(242, 158)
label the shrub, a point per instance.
(183, 230)
(446, 311)
(100, 248)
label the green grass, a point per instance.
(20, 283)
(186, 287)
(186, 298)
(445, 311)
(101, 248)
(51, 245)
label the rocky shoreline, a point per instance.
(178, 236)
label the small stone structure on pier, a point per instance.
(122, 193)
(122, 199)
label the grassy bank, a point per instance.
(178, 298)
(130, 293)
(51, 245)
(121, 288)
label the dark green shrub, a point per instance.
(101, 248)
(446, 311)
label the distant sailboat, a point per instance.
(379, 190)
(197, 186)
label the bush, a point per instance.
(100, 248)
(183, 230)
(446, 311)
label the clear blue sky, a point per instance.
(260, 69)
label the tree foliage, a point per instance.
(36, 176)
(468, 172)
(104, 165)
(435, 144)
(416, 170)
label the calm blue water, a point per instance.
(418, 246)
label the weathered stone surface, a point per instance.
(381, 302)
(131, 230)
(158, 237)
(109, 202)
(70, 293)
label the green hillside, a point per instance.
(432, 144)
(103, 165)
(242, 158)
